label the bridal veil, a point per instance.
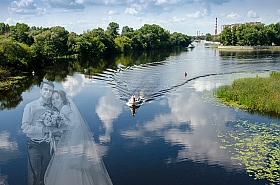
(76, 160)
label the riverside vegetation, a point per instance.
(251, 35)
(261, 94)
(27, 49)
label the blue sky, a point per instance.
(184, 16)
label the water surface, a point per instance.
(177, 136)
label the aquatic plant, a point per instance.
(262, 94)
(255, 145)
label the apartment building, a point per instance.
(237, 25)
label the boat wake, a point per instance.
(149, 81)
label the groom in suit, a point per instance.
(37, 146)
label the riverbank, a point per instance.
(249, 47)
(8, 82)
(261, 94)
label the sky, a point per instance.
(184, 16)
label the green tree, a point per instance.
(276, 33)
(113, 29)
(59, 38)
(226, 36)
(233, 36)
(208, 37)
(20, 32)
(105, 38)
(179, 39)
(4, 28)
(87, 45)
(123, 44)
(127, 29)
(14, 55)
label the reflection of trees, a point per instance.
(12, 97)
(144, 57)
(247, 54)
(92, 66)
(61, 68)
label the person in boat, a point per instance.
(133, 98)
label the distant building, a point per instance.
(252, 23)
(237, 25)
(224, 26)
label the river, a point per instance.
(180, 134)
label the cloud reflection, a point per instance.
(190, 126)
(3, 179)
(74, 84)
(8, 149)
(108, 109)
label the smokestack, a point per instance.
(216, 27)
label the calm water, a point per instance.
(176, 135)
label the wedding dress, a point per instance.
(76, 160)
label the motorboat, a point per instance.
(191, 46)
(134, 102)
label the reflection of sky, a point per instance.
(74, 84)
(190, 126)
(3, 179)
(8, 149)
(108, 109)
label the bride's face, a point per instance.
(56, 100)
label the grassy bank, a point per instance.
(262, 94)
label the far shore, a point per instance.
(249, 47)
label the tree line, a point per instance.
(251, 35)
(24, 48)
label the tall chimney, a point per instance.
(216, 27)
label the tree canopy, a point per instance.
(252, 35)
(25, 48)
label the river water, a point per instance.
(180, 134)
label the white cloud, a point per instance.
(25, 7)
(233, 16)
(197, 15)
(113, 12)
(12, 21)
(205, 9)
(159, 2)
(252, 14)
(278, 11)
(130, 11)
(177, 20)
(65, 5)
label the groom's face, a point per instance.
(46, 91)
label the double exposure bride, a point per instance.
(76, 159)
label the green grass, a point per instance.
(262, 94)
(274, 73)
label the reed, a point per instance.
(262, 94)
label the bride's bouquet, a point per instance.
(51, 118)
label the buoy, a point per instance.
(185, 73)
